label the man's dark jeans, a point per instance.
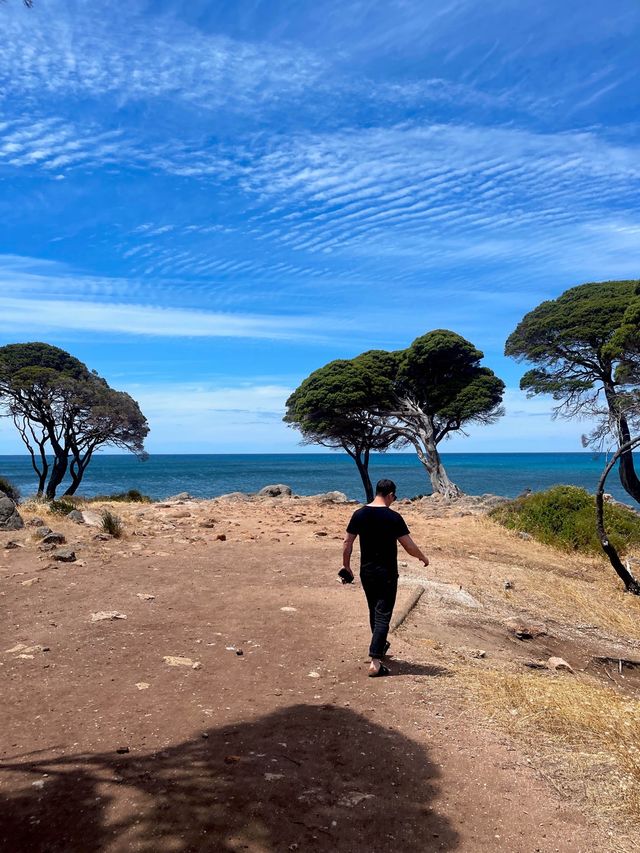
(380, 586)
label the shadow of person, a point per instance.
(305, 777)
(405, 667)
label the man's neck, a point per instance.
(378, 501)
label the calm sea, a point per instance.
(206, 476)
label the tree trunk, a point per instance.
(428, 454)
(57, 476)
(631, 584)
(626, 469)
(363, 470)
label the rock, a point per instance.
(107, 615)
(64, 555)
(103, 537)
(508, 584)
(279, 490)
(173, 660)
(559, 663)
(12, 545)
(91, 518)
(221, 537)
(22, 648)
(76, 516)
(41, 531)
(313, 674)
(478, 653)
(235, 496)
(10, 518)
(289, 609)
(210, 522)
(36, 522)
(142, 685)
(354, 798)
(122, 750)
(331, 497)
(321, 533)
(54, 539)
(183, 496)
(180, 513)
(524, 535)
(30, 582)
(145, 596)
(525, 630)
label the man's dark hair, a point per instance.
(385, 487)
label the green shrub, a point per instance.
(61, 507)
(132, 496)
(565, 516)
(112, 524)
(10, 490)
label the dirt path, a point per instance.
(287, 746)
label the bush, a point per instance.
(112, 524)
(565, 516)
(132, 496)
(61, 507)
(10, 490)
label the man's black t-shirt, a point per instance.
(379, 529)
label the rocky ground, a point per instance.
(200, 684)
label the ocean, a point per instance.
(209, 475)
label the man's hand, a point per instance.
(411, 548)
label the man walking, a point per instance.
(379, 528)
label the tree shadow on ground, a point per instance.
(405, 667)
(319, 777)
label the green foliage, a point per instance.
(61, 507)
(111, 524)
(10, 490)
(565, 517)
(575, 340)
(132, 496)
(441, 371)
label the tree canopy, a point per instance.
(585, 346)
(64, 411)
(335, 407)
(418, 395)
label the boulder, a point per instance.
(332, 497)
(41, 531)
(76, 515)
(10, 518)
(234, 496)
(64, 555)
(183, 496)
(279, 490)
(52, 538)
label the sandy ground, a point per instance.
(271, 737)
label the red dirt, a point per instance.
(248, 752)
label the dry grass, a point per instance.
(590, 727)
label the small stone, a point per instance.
(478, 653)
(145, 596)
(559, 663)
(106, 615)
(508, 585)
(11, 545)
(30, 582)
(36, 522)
(289, 609)
(122, 750)
(526, 536)
(64, 555)
(239, 652)
(221, 537)
(321, 533)
(314, 674)
(52, 538)
(76, 516)
(231, 759)
(142, 685)
(273, 777)
(176, 660)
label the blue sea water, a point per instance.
(209, 475)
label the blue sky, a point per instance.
(205, 201)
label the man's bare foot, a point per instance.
(374, 666)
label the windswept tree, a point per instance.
(441, 388)
(417, 396)
(64, 412)
(338, 405)
(585, 346)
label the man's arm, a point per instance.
(347, 548)
(411, 548)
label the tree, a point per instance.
(337, 406)
(63, 410)
(440, 387)
(584, 346)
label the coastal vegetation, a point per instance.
(63, 411)
(10, 489)
(418, 396)
(563, 516)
